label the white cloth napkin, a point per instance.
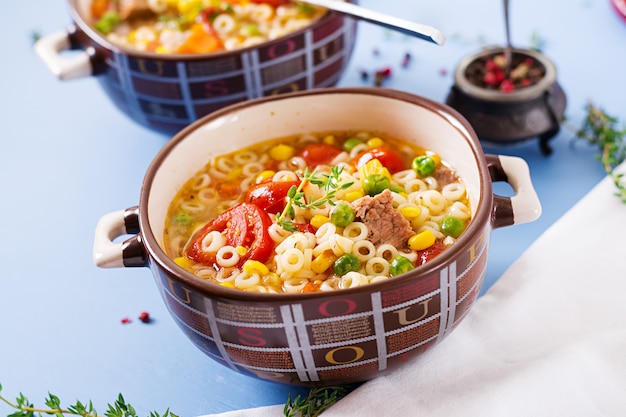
(548, 339)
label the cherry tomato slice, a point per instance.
(426, 255)
(387, 157)
(270, 195)
(244, 225)
(319, 154)
(273, 3)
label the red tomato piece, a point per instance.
(270, 196)
(426, 255)
(273, 3)
(387, 157)
(244, 225)
(319, 154)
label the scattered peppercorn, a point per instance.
(381, 75)
(406, 60)
(144, 317)
(126, 320)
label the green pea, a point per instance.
(108, 22)
(452, 226)
(342, 215)
(351, 143)
(346, 263)
(423, 165)
(183, 219)
(400, 265)
(375, 184)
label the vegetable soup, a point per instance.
(316, 212)
(198, 26)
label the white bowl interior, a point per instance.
(226, 131)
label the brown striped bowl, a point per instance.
(166, 92)
(330, 337)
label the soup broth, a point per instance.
(316, 212)
(198, 26)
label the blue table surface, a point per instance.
(68, 156)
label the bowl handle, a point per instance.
(129, 253)
(524, 206)
(64, 66)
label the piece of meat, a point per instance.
(128, 8)
(385, 225)
(445, 176)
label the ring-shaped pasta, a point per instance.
(433, 199)
(361, 147)
(403, 176)
(294, 285)
(353, 279)
(244, 280)
(277, 233)
(377, 266)
(454, 191)
(387, 251)
(459, 210)
(364, 250)
(295, 241)
(252, 168)
(206, 195)
(227, 256)
(192, 206)
(213, 242)
(291, 260)
(285, 175)
(224, 24)
(378, 278)
(356, 231)
(201, 181)
(415, 185)
(225, 165)
(325, 231)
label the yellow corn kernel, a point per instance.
(183, 262)
(329, 140)
(422, 240)
(318, 220)
(375, 142)
(234, 174)
(161, 50)
(252, 266)
(373, 166)
(436, 157)
(282, 152)
(241, 250)
(353, 195)
(227, 284)
(187, 6)
(272, 280)
(322, 262)
(410, 212)
(264, 176)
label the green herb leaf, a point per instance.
(601, 130)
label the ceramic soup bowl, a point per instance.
(166, 92)
(331, 337)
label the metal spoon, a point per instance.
(425, 32)
(508, 55)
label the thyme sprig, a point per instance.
(330, 184)
(119, 408)
(315, 403)
(600, 129)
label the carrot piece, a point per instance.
(200, 41)
(99, 8)
(311, 287)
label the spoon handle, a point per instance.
(425, 32)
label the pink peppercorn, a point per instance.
(144, 317)
(126, 320)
